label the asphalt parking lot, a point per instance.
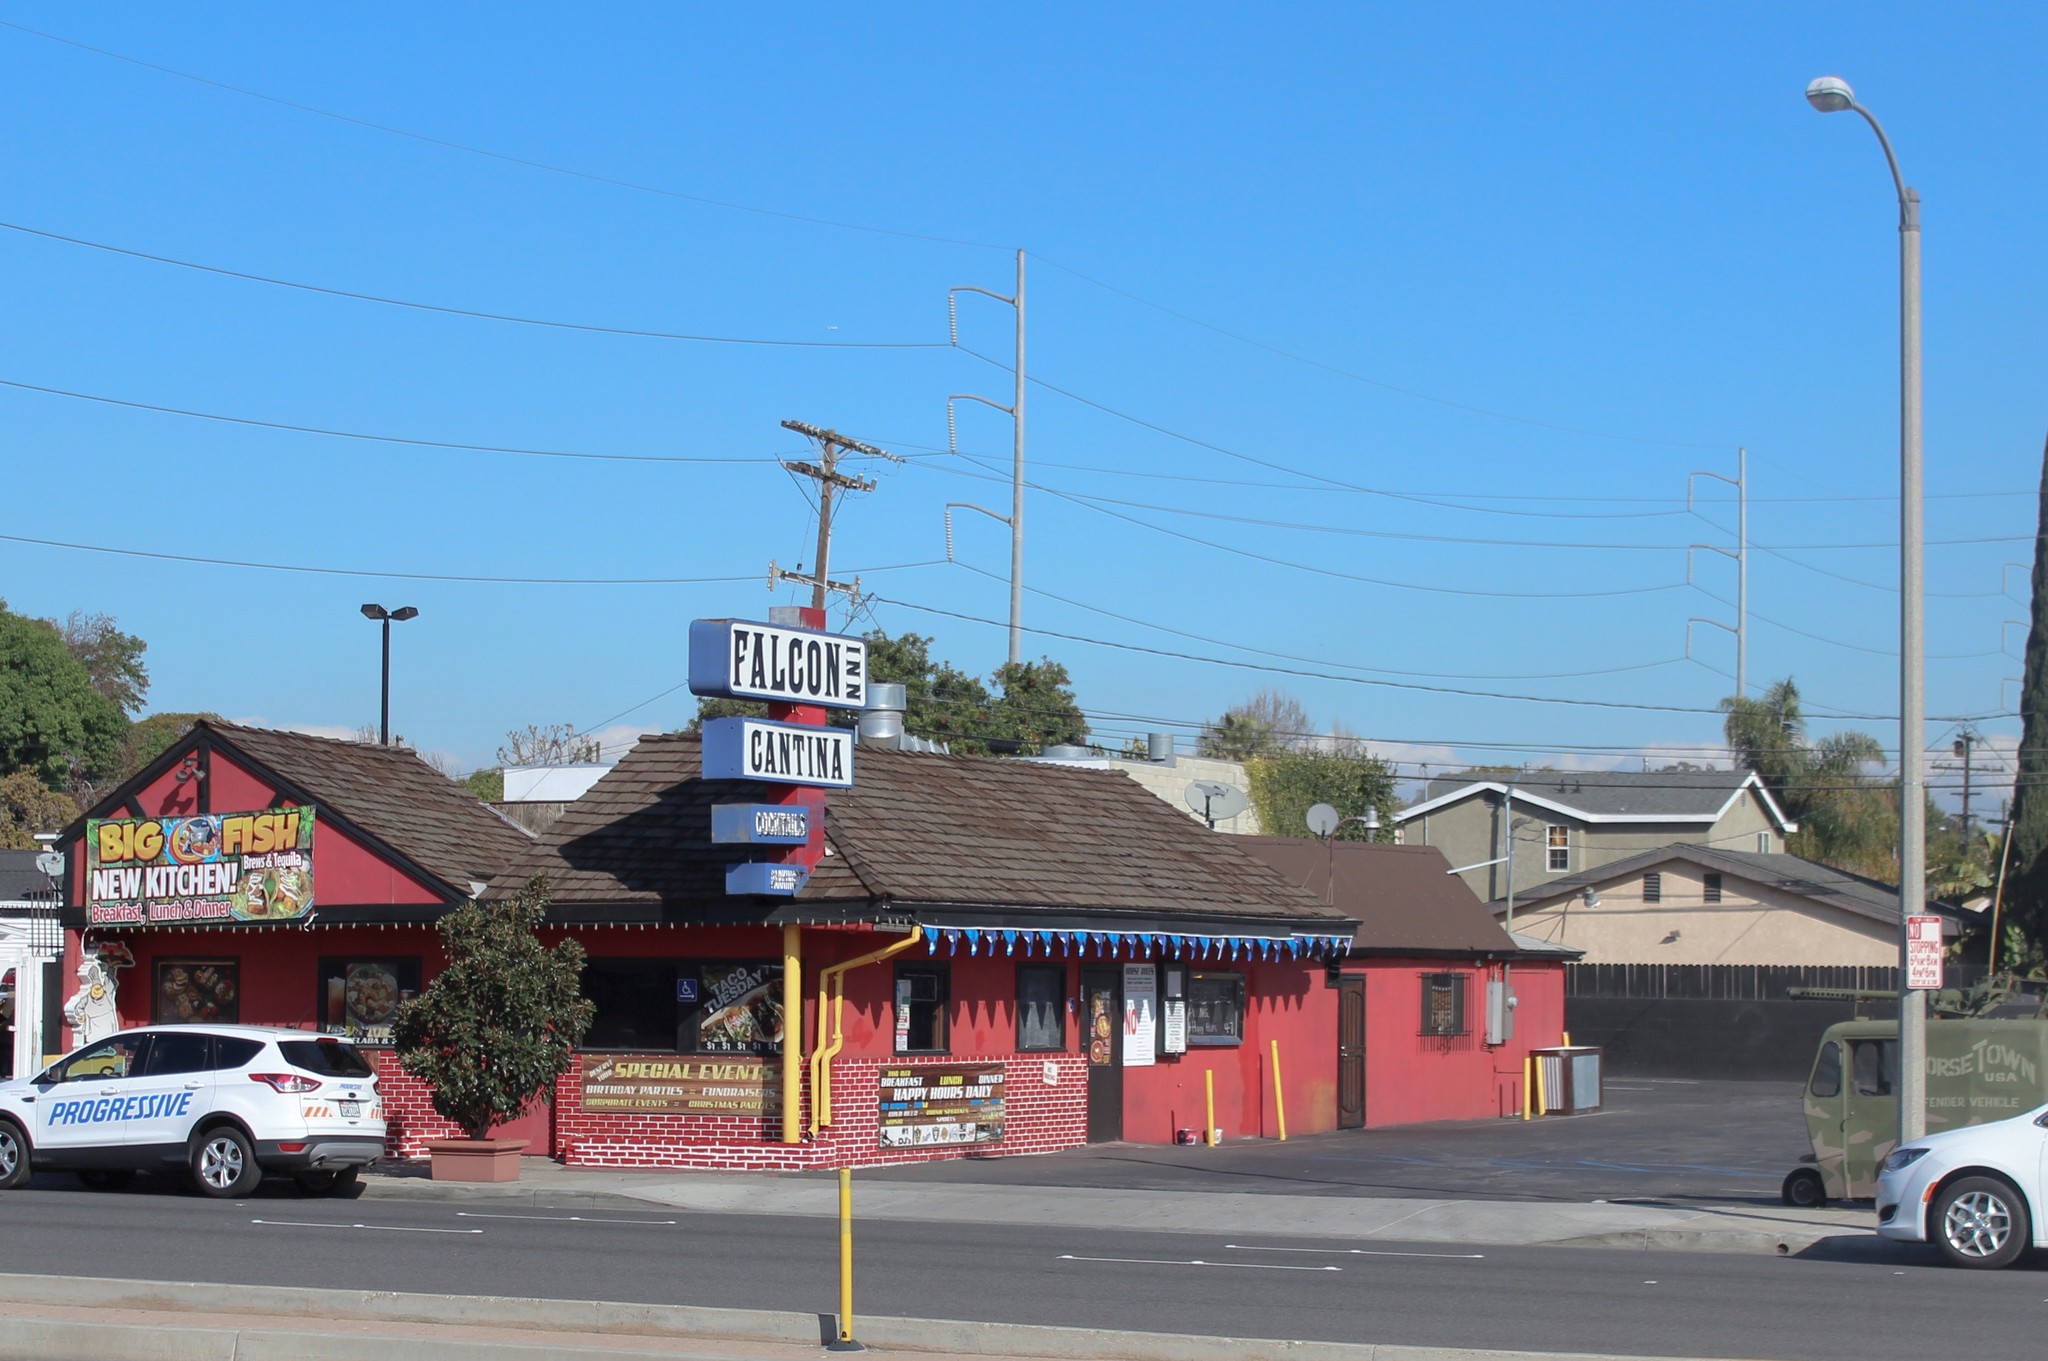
(1701, 1141)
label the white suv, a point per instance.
(227, 1103)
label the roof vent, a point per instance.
(881, 722)
(1065, 751)
(1159, 748)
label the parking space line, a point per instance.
(1162, 1261)
(383, 1228)
(560, 1219)
(1360, 1252)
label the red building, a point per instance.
(992, 957)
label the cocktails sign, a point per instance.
(236, 868)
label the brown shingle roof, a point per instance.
(1403, 897)
(393, 795)
(917, 829)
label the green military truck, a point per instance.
(1978, 1069)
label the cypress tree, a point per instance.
(2026, 892)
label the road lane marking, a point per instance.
(386, 1228)
(1360, 1252)
(559, 1219)
(1161, 1261)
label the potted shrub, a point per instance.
(494, 1029)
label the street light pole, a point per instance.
(1831, 94)
(386, 617)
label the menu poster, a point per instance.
(197, 990)
(1175, 1040)
(927, 1106)
(359, 997)
(1141, 1014)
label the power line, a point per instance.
(413, 576)
(409, 440)
(1373, 382)
(473, 314)
(508, 159)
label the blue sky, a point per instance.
(1529, 266)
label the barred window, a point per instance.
(1443, 1004)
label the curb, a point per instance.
(273, 1339)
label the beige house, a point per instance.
(1170, 777)
(1569, 821)
(1688, 904)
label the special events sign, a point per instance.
(925, 1106)
(666, 1084)
(214, 867)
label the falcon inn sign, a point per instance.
(801, 669)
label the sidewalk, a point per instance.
(1695, 1225)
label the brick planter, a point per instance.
(475, 1159)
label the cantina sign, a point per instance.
(667, 1084)
(216, 867)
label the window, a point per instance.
(116, 1057)
(1559, 841)
(358, 997)
(1215, 1008)
(329, 1058)
(1763, 843)
(197, 990)
(230, 1052)
(1712, 883)
(685, 1007)
(1827, 1071)
(1041, 1007)
(922, 991)
(1443, 1004)
(171, 1053)
(1653, 887)
(1873, 1067)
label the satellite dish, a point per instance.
(51, 863)
(1214, 799)
(1322, 819)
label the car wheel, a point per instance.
(1804, 1188)
(338, 1181)
(223, 1164)
(1981, 1222)
(106, 1178)
(14, 1156)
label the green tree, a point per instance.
(1286, 784)
(2026, 889)
(1033, 707)
(52, 720)
(112, 658)
(1271, 720)
(28, 806)
(496, 1027)
(1847, 818)
(149, 738)
(487, 784)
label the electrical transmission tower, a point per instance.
(1015, 410)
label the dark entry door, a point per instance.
(1102, 1008)
(1351, 1053)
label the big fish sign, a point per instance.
(216, 867)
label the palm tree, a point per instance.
(1846, 818)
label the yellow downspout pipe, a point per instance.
(792, 1035)
(834, 976)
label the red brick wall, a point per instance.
(1038, 1117)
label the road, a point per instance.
(1886, 1303)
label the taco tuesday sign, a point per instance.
(232, 868)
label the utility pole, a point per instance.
(831, 444)
(1741, 556)
(1963, 747)
(1015, 410)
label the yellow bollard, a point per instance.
(1567, 1035)
(1209, 1090)
(1542, 1101)
(1528, 1086)
(845, 1342)
(1279, 1104)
